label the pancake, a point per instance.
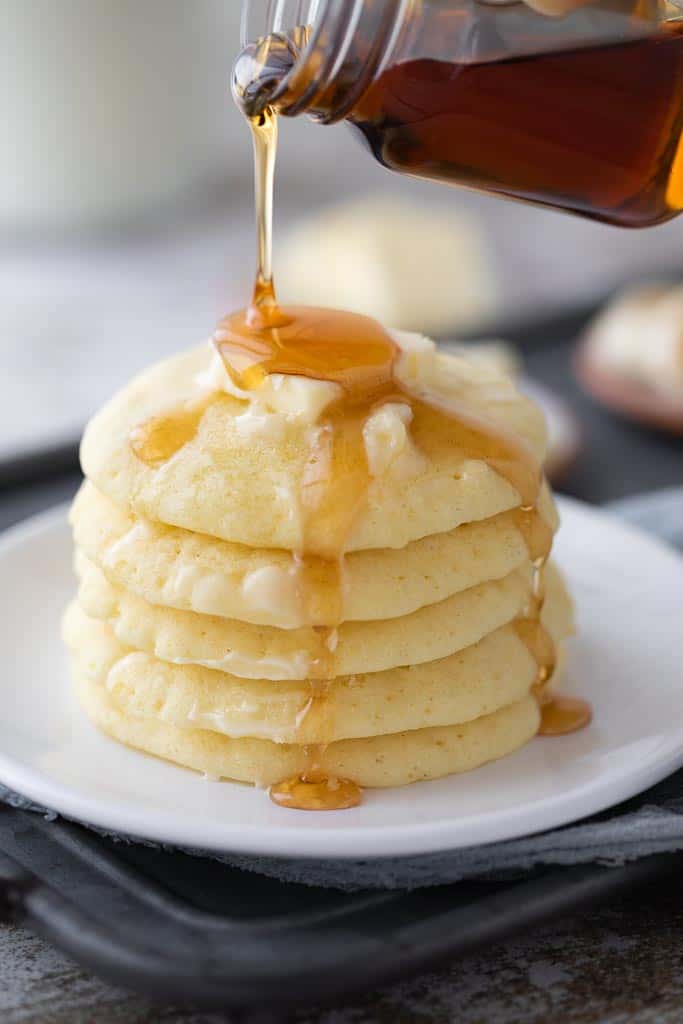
(392, 760)
(193, 572)
(239, 477)
(227, 645)
(477, 681)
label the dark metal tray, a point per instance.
(178, 927)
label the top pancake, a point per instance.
(239, 478)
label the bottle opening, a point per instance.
(313, 57)
(262, 69)
(275, 36)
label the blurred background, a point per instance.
(126, 230)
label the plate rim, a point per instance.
(415, 839)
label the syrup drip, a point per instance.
(531, 631)
(511, 460)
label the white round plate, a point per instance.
(626, 659)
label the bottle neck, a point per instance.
(320, 60)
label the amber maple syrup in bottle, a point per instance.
(582, 112)
(594, 131)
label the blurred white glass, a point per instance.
(108, 107)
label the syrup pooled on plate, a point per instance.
(562, 715)
(316, 794)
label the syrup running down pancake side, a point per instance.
(358, 355)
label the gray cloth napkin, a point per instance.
(649, 823)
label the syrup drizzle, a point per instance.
(358, 355)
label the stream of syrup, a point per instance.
(357, 354)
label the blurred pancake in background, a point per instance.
(417, 268)
(631, 356)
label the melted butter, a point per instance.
(561, 715)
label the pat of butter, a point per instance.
(388, 445)
(415, 367)
(283, 394)
(302, 397)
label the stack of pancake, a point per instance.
(202, 608)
